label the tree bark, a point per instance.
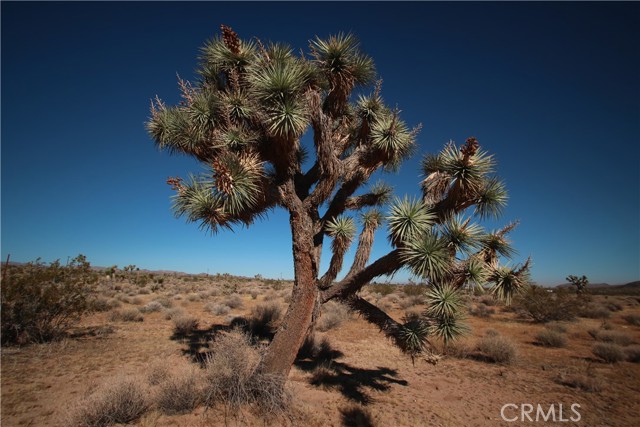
(289, 338)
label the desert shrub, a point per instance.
(152, 307)
(118, 401)
(164, 301)
(410, 301)
(491, 332)
(356, 416)
(497, 349)
(458, 349)
(184, 325)
(39, 302)
(193, 297)
(144, 291)
(544, 306)
(615, 337)
(633, 353)
(414, 290)
(556, 327)
(584, 382)
(487, 300)
(233, 301)
(481, 310)
(613, 306)
(232, 375)
(130, 314)
(158, 372)
(632, 319)
(263, 318)
(551, 338)
(179, 392)
(594, 311)
(217, 309)
(174, 312)
(610, 353)
(333, 314)
(254, 293)
(382, 288)
(104, 304)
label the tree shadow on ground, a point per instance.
(351, 381)
(319, 359)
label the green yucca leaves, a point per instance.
(445, 309)
(461, 235)
(342, 229)
(390, 135)
(508, 282)
(427, 257)
(495, 245)
(413, 334)
(492, 198)
(476, 271)
(278, 81)
(408, 219)
(199, 203)
(216, 56)
(371, 218)
(339, 57)
(286, 119)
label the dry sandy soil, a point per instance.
(369, 383)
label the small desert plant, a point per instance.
(595, 311)
(184, 325)
(263, 318)
(179, 392)
(233, 301)
(497, 349)
(118, 401)
(193, 297)
(545, 306)
(217, 309)
(482, 310)
(633, 353)
(174, 312)
(165, 301)
(232, 375)
(39, 302)
(610, 353)
(551, 338)
(130, 314)
(254, 293)
(382, 288)
(632, 319)
(356, 416)
(556, 327)
(615, 337)
(333, 314)
(584, 382)
(152, 307)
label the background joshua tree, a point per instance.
(579, 282)
(244, 119)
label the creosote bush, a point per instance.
(39, 302)
(545, 306)
(130, 314)
(333, 314)
(180, 390)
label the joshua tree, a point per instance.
(244, 119)
(579, 282)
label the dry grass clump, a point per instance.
(180, 390)
(633, 353)
(595, 311)
(217, 309)
(614, 337)
(459, 349)
(610, 353)
(556, 327)
(184, 325)
(264, 318)
(497, 349)
(152, 307)
(333, 314)
(584, 382)
(551, 338)
(356, 416)
(410, 301)
(119, 401)
(270, 295)
(193, 297)
(232, 376)
(130, 314)
(632, 319)
(174, 312)
(165, 301)
(482, 310)
(105, 304)
(233, 301)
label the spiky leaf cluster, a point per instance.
(445, 309)
(408, 219)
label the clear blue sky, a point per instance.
(553, 89)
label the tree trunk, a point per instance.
(289, 338)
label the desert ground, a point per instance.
(361, 379)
